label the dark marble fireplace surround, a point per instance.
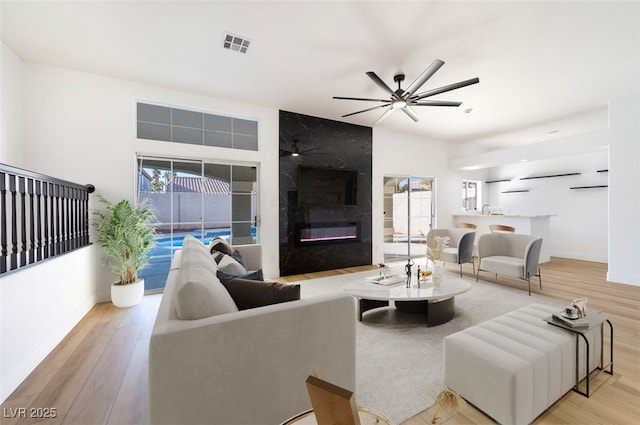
(323, 237)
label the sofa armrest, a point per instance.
(250, 367)
(252, 254)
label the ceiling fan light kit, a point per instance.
(405, 99)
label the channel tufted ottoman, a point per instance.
(515, 366)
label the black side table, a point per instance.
(595, 319)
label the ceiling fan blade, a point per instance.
(383, 116)
(412, 114)
(423, 77)
(435, 103)
(446, 88)
(366, 110)
(380, 83)
(360, 98)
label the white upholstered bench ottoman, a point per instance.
(515, 366)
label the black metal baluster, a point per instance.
(32, 224)
(39, 244)
(58, 219)
(14, 223)
(3, 223)
(52, 195)
(23, 220)
(46, 193)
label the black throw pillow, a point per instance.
(247, 293)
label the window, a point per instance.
(198, 198)
(470, 195)
(408, 216)
(168, 124)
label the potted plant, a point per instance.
(127, 237)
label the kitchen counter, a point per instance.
(530, 224)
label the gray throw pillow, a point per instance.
(231, 266)
(247, 293)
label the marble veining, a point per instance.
(331, 144)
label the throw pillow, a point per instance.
(220, 244)
(229, 265)
(200, 294)
(254, 275)
(248, 293)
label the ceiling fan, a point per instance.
(406, 99)
(295, 150)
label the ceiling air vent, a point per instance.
(235, 43)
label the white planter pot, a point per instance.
(127, 295)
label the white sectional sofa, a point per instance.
(516, 366)
(242, 367)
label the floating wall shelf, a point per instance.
(516, 191)
(588, 187)
(602, 171)
(498, 181)
(551, 175)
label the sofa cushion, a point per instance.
(247, 293)
(194, 251)
(200, 294)
(510, 266)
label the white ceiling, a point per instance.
(546, 66)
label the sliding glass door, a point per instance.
(198, 198)
(408, 216)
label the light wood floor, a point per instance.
(98, 373)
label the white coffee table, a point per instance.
(437, 301)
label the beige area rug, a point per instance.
(399, 359)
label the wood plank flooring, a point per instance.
(98, 373)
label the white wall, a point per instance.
(579, 225)
(10, 107)
(407, 155)
(624, 195)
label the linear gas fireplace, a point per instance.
(307, 234)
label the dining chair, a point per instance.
(501, 228)
(466, 226)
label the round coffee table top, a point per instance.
(451, 285)
(367, 416)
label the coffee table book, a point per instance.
(573, 323)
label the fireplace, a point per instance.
(308, 234)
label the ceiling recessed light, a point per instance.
(553, 132)
(468, 110)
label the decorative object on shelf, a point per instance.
(447, 401)
(332, 404)
(127, 237)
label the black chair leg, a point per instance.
(540, 278)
